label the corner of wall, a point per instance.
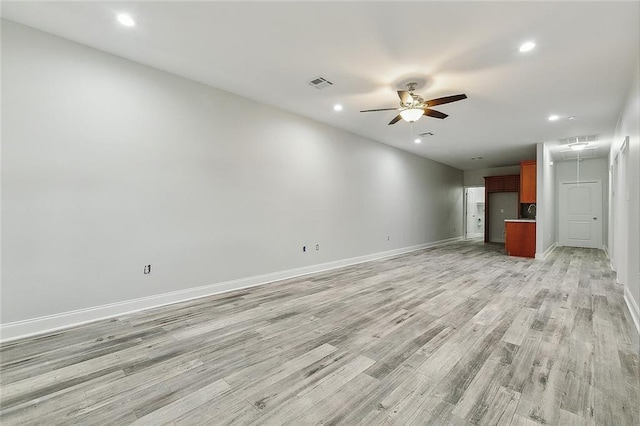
(634, 310)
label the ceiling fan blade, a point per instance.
(405, 97)
(395, 119)
(380, 109)
(445, 100)
(435, 114)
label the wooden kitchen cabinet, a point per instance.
(493, 183)
(528, 181)
(520, 238)
(510, 183)
(507, 183)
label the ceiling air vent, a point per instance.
(320, 83)
(588, 138)
(589, 152)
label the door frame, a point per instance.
(561, 229)
(613, 219)
(465, 220)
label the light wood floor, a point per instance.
(457, 335)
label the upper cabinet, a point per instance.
(528, 181)
(508, 183)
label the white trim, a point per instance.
(606, 252)
(625, 144)
(634, 310)
(50, 323)
(546, 253)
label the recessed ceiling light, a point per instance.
(126, 20)
(554, 117)
(527, 46)
(337, 107)
(417, 141)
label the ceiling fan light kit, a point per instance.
(412, 114)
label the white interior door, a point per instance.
(580, 211)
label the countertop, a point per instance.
(521, 220)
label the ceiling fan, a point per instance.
(413, 106)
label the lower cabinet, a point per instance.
(520, 238)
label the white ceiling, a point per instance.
(267, 51)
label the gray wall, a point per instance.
(624, 237)
(502, 205)
(109, 165)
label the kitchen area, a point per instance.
(510, 210)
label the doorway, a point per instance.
(580, 214)
(474, 212)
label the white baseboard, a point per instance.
(476, 235)
(611, 264)
(634, 310)
(543, 256)
(50, 323)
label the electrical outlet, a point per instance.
(304, 249)
(317, 247)
(388, 238)
(147, 269)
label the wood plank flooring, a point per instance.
(459, 334)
